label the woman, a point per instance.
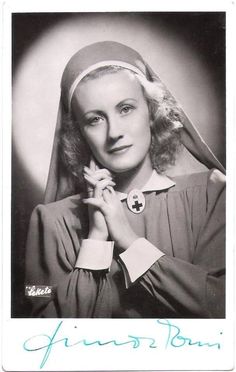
(118, 238)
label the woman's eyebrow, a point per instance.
(92, 112)
(125, 101)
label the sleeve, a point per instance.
(147, 255)
(54, 286)
(95, 255)
(195, 289)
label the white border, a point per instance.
(25, 6)
(15, 358)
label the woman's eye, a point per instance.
(126, 109)
(95, 120)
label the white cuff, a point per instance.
(138, 258)
(95, 255)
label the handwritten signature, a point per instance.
(173, 339)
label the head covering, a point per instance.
(90, 58)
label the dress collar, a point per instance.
(156, 182)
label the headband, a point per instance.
(95, 67)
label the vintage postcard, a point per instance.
(118, 227)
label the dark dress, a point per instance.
(186, 222)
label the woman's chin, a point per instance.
(121, 168)
(127, 164)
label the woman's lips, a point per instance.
(119, 149)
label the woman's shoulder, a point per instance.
(206, 179)
(67, 207)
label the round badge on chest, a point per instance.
(136, 201)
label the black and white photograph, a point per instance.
(118, 184)
(119, 232)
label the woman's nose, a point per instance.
(114, 128)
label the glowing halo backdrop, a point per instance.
(36, 84)
(169, 43)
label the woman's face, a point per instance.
(114, 119)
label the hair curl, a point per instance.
(165, 116)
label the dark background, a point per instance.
(205, 32)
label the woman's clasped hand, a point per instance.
(106, 213)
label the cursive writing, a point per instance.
(173, 339)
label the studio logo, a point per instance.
(38, 290)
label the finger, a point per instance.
(112, 197)
(99, 174)
(100, 186)
(89, 187)
(104, 171)
(112, 192)
(89, 191)
(109, 188)
(96, 203)
(90, 180)
(107, 195)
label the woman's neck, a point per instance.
(135, 178)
